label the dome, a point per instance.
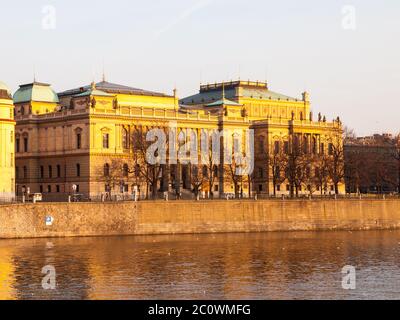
(4, 87)
(36, 91)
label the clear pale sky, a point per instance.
(157, 44)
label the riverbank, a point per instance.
(191, 217)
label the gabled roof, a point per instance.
(94, 92)
(112, 88)
(223, 102)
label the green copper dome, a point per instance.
(39, 92)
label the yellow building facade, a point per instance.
(66, 142)
(7, 131)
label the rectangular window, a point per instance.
(41, 172)
(106, 140)
(78, 170)
(25, 144)
(58, 171)
(330, 149)
(78, 141)
(277, 147)
(278, 187)
(49, 188)
(58, 188)
(17, 145)
(50, 172)
(286, 147)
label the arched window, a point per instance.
(106, 170)
(125, 138)
(22, 109)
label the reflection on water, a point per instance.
(228, 266)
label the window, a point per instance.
(277, 172)
(78, 140)
(17, 144)
(58, 171)
(277, 147)
(260, 187)
(330, 149)
(106, 170)
(57, 188)
(50, 172)
(17, 172)
(314, 145)
(286, 147)
(137, 170)
(26, 144)
(261, 173)
(41, 189)
(49, 188)
(22, 109)
(261, 144)
(125, 170)
(215, 171)
(25, 172)
(125, 138)
(288, 187)
(305, 145)
(205, 171)
(322, 148)
(278, 187)
(106, 140)
(78, 170)
(41, 172)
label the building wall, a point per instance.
(188, 217)
(7, 155)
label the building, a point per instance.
(282, 125)
(7, 130)
(373, 164)
(83, 140)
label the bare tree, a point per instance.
(277, 162)
(336, 162)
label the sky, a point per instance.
(344, 53)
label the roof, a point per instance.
(212, 93)
(94, 92)
(224, 101)
(113, 88)
(36, 91)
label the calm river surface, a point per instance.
(225, 266)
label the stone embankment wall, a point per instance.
(179, 217)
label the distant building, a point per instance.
(372, 164)
(7, 130)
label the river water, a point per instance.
(298, 265)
